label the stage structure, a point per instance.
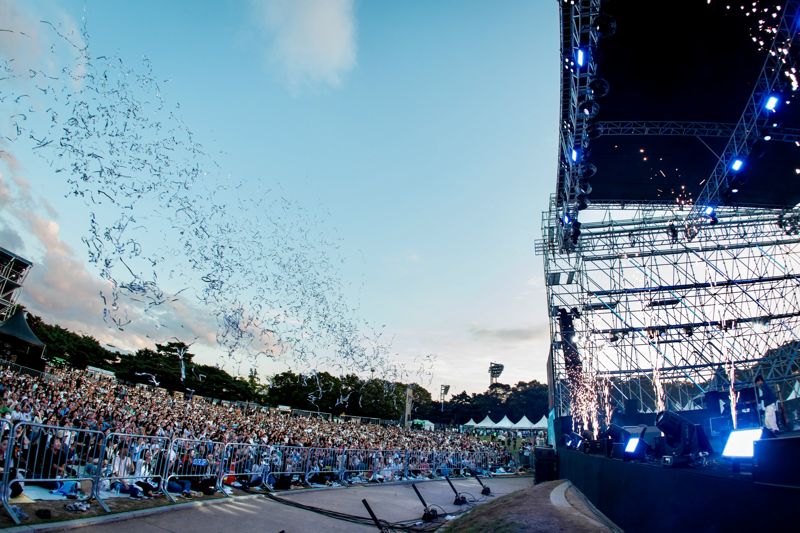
(672, 243)
(13, 271)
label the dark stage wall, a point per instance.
(651, 498)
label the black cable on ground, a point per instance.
(406, 525)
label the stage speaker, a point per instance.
(777, 461)
(545, 464)
(618, 450)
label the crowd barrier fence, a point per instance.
(58, 458)
(248, 464)
(197, 462)
(65, 459)
(144, 459)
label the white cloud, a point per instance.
(312, 41)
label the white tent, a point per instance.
(505, 423)
(524, 423)
(485, 423)
(470, 423)
(541, 424)
(795, 392)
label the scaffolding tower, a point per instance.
(13, 271)
(641, 309)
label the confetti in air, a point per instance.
(265, 267)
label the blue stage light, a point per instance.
(580, 57)
(737, 165)
(709, 211)
(566, 219)
(632, 444)
(772, 103)
(574, 155)
(740, 443)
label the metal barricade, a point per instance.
(357, 465)
(132, 464)
(247, 465)
(324, 466)
(193, 464)
(482, 463)
(288, 462)
(57, 458)
(389, 465)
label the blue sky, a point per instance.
(424, 133)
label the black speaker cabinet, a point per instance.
(777, 461)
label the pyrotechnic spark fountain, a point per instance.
(732, 390)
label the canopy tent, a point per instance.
(505, 423)
(486, 423)
(17, 333)
(541, 424)
(524, 423)
(424, 424)
(17, 328)
(470, 423)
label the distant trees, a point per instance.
(320, 391)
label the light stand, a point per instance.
(460, 499)
(485, 490)
(429, 514)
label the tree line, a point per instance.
(319, 391)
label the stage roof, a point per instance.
(686, 62)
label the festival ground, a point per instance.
(552, 506)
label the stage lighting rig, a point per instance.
(684, 439)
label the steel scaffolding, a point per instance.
(13, 270)
(643, 309)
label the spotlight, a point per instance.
(599, 87)
(605, 25)
(617, 433)
(580, 57)
(573, 440)
(709, 211)
(737, 165)
(589, 109)
(632, 444)
(772, 103)
(740, 443)
(682, 437)
(587, 170)
(574, 155)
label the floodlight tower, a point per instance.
(495, 369)
(442, 393)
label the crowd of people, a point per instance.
(153, 431)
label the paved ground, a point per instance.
(393, 503)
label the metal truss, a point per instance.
(682, 129)
(756, 117)
(13, 271)
(578, 32)
(662, 316)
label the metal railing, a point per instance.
(66, 459)
(194, 464)
(246, 464)
(19, 369)
(132, 464)
(54, 457)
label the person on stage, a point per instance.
(767, 402)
